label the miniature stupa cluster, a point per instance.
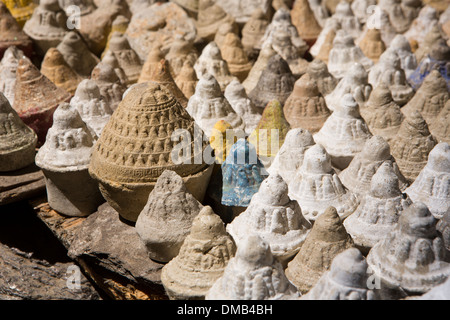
(282, 149)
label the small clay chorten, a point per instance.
(119, 25)
(202, 258)
(241, 103)
(346, 17)
(56, 69)
(128, 59)
(111, 88)
(253, 31)
(412, 257)
(268, 136)
(372, 45)
(181, 51)
(210, 17)
(8, 70)
(187, 79)
(11, 33)
(358, 175)
(167, 217)
(260, 64)
(408, 60)
(222, 32)
(234, 54)
(432, 185)
(303, 18)
(324, 242)
(275, 83)
(411, 145)
(324, 52)
(433, 36)
(344, 133)
(401, 13)
(36, 98)
(325, 39)
(347, 279)
(276, 218)
(208, 105)
(212, 62)
(152, 62)
(316, 186)
(77, 54)
(306, 107)
(389, 71)
(290, 156)
(161, 74)
(253, 274)
(21, 10)
(241, 10)
(222, 139)
(138, 144)
(110, 58)
(64, 159)
(379, 209)
(47, 26)
(17, 140)
(91, 106)
(382, 114)
(344, 54)
(318, 71)
(430, 98)
(362, 9)
(281, 22)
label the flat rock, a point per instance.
(21, 184)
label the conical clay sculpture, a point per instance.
(318, 71)
(316, 186)
(388, 71)
(425, 47)
(358, 175)
(411, 146)
(77, 54)
(187, 80)
(275, 83)
(47, 26)
(344, 53)
(11, 33)
(356, 82)
(210, 17)
(208, 105)
(344, 133)
(253, 31)
(64, 159)
(36, 98)
(233, 53)
(347, 279)
(276, 218)
(223, 31)
(440, 128)
(137, 145)
(181, 52)
(408, 60)
(128, 59)
(110, 59)
(290, 156)
(303, 18)
(412, 257)
(305, 107)
(212, 62)
(241, 10)
(401, 13)
(427, 18)
(56, 69)
(324, 242)
(21, 10)
(253, 274)
(259, 66)
(223, 137)
(91, 106)
(382, 114)
(8, 70)
(430, 98)
(268, 137)
(372, 45)
(347, 19)
(202, 259)
(107, 80)
(241, 103)
(17, 141)
(379, 209)
(167, 217)
(161, 74)
(432, 185)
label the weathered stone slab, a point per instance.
(21, 184)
